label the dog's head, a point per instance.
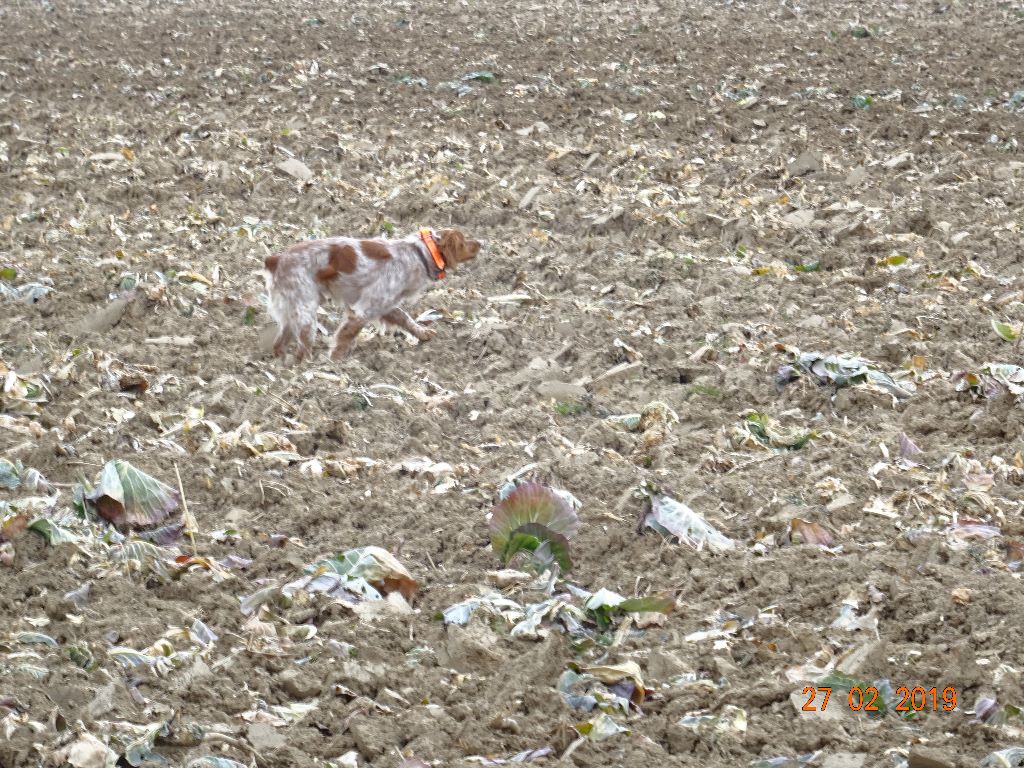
(456, 247)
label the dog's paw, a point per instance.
(425, 334)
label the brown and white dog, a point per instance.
(372, 278)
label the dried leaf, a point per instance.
(893, 261)
(991, 379)
(908, 450)
(805, 532)
(649, 604)
(842, 371)
(10, 474)
(128, 497)
(79, 597)
(1012, 757)
(52, 532)
(961, 595)
(673, 518)
(760, 429)
(89, 752)
(600, 727)
(215, 762)
(613, 673)
(481, 76)
(545, 545)
(1005, 331)
(730, 718)
(375, 565)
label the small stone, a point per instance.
(799, 219)
(236, 518)
(373, 736)
(362, 676)
(103, 702)
(899, 162)
(662, 666)
(348, 760)
(621, 372)
(853, 662)
(264, 737)
(923, 757)
(198, 671)
(856, 176)
(103, 320)
(296, 169)
(68, 697)
(470, 649)
(561, 390)
(298, 684)
(804, 163)
(375, 610)
(812, 322)
(845, 760)
(340, 649)
(841, 501)
(506, 578)
(1006, 172)
(528, 198)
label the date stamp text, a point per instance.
(867, 699)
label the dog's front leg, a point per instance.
(346, 335)
(403, 319)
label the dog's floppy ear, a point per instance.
(453, 244)
(456, 248)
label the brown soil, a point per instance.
(669, 211)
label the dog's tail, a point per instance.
(274, 305)
(294, 296)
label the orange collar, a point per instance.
(427, 236)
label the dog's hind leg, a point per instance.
(298, 319)
(307, 335)
(284, 338)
